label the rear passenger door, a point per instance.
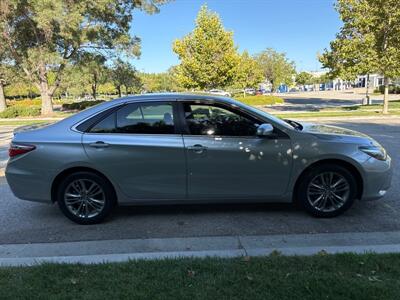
(139, 148)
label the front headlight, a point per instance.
(377, 152)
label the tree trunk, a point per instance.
(119, 91)
(3, 104)
(386, 97)
(367, 91)
(47, 105)
(46, 94)
(94, 90)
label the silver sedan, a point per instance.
(182, 148)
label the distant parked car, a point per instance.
(182, 148)
(219, 92)
(250, 91)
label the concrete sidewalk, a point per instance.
(87, 252)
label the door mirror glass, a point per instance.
(265, 130)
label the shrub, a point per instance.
(393, 89)
(20, 111)
(260, 100)
(80, 105)
(25, 102)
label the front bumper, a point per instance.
(377, 178)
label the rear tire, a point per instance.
(327, 190)
(85, 197)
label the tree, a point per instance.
(368, 41)
(276, 67)
(93, 68)
(42, 36)
(159, 82)
(208, 54)
(304, 78)
(125, 75)
(5, 70)
(248, 73)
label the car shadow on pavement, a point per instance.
(203, 208)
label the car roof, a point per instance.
(169, 96)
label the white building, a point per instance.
(375, 81)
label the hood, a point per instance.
(328, 132)
(331, 130)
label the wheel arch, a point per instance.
(71, 170)
(349, 166)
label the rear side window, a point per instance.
(107, 125)
(146, 118)
(152, 118)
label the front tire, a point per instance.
(327, 190)
(85, 197)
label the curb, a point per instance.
(92, 252)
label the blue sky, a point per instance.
(300, 28)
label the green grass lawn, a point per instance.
(259, 100)
(21, 122)
(347, 111)
(344, 276)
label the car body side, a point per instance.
(30, 179)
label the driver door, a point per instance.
(225, 157)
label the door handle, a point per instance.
(99, 144)
(197, 148)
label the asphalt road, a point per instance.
(295, 104)
(26, 222)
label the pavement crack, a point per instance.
(241, 247)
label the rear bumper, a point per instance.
(377, 178)
(29, 185)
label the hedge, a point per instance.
(20, 111)
(80, 105)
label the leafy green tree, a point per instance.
(304, 78)
(125, 75)
(42, 36)
(159, 82)
(277, 68)
(368, 41)
(208, 54)
(93, 70)
(248, 73)
(75, 82)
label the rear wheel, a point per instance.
(327, 190)
(85, 197)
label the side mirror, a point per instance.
(265, 130)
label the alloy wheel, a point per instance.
(84, 198)
(328, 191)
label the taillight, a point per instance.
(18, 149)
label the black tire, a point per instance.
(108, 195)
(310, 175)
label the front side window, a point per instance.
(204, 119)
(139, 118)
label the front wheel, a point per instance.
(85, 198)
(327, 190)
